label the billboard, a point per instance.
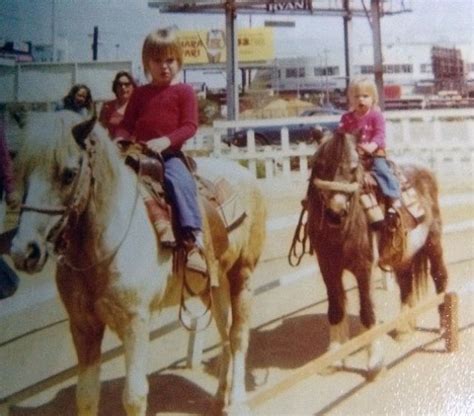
(208, 46)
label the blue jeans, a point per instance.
(181, 189)
(385, 178)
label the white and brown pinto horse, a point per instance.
(81, 199)
(343, 240)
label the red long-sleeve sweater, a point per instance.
(154, 112)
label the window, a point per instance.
(295, 72)
(366, 69)
(291, 73)
(320, 71)
(426, 68)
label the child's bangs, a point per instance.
(162, 52)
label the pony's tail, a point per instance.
(419, 272)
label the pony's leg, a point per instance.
(135, 343)
(220, 309)
(241, 300)
(407, 300)
(87, 341)
(375, 350)
(437, 269)
(338, 324)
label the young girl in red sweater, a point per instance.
(163, 115)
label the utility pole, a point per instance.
(231, 61)
(326, 72)
(53, 29)
(95, 43)
(377, 41)
(347, 40)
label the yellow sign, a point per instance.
(204, 47)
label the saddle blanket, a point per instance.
(225, 198)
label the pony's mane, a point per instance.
(329, 152)
(49, 142)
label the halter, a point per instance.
(78, 200)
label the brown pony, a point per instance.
(82, 202)
(342, 239)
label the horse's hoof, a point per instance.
(329, 370)
(376, 373)
(333, 368)
(240, 409)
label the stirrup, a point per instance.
(392, 218)
(165, 234)
(195, 261)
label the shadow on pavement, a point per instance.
(168, 393)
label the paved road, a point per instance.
(290, 330)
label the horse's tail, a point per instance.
(419, 269)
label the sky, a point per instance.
(123, 24)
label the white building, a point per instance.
(406, 65)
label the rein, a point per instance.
(300, 238)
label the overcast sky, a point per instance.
(123, 24)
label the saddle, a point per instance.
(393, 228)
(213, 197)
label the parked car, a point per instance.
(271, 135)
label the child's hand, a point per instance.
(159, 144)
(368, 147)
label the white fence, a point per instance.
(439, 138)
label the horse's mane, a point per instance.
(329, 152)
(49, 143)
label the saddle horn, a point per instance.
(82, 130)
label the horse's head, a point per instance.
(336, 175)
(54, 172)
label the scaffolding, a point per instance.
(448, 69)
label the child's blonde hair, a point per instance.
(362, 85)
(160, 45)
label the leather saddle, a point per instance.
(407, 219)
(150, 169)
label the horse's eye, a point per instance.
(68, 176)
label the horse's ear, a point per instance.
(82, 130)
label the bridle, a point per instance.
(60, 235)
(326, 187)
(78, 199)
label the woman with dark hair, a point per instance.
(112, 111)
(78, 99)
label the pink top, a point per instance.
(110, 117)
(371, 126)
(154, 112)
(6, 168)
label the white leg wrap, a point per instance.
(338, 334)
